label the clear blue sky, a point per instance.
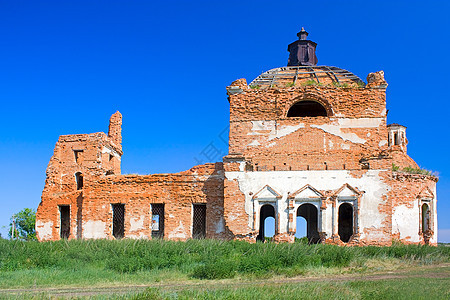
(66, 66)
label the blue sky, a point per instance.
(66, 66)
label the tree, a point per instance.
(24, 223)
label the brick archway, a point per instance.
(309, 97)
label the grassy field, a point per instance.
(104, 263)
(410, 288)
(137, 261)
(419, 282)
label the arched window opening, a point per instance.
(425, 218)
(345, 222)
(307, 109)
(267, 211)
(79, 180)
(310, 214)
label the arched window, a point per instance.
(310, 214)
(307, 109)
(79, 180)
(267, 211)
(345, 222)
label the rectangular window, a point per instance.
(199, 221)
(64, 216)
(157, 220)
(78, 154)
(118, 220)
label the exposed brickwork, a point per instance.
(353, 136)
(115, 129)
(258, 118)
(339, 162)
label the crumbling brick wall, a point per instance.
(78, 161)
(97, 157)
(352, 140)
(343, 159)
(260, 130)
(178, 192)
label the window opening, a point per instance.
(111, 157)
(310, 214)
(199, 221)
(269, 228)
(301, 231)
(396, 138)
(79, 180)
(425, 218)
(157, 220)
(345, 222)
(266, 211)
(118, 220)
(307, 109)
(78, 155)
(64, 216)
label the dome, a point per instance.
(307, 75)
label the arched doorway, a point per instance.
(425, 218)
(310, 214)
(266, 211)
(345, 222)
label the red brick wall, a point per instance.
(261, 138)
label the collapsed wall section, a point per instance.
(78, 161)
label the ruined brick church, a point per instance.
(304, 141)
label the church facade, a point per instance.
(305, 141)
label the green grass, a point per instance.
(409, 288)
(102, 262)
(311, 82)
(412, 170)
